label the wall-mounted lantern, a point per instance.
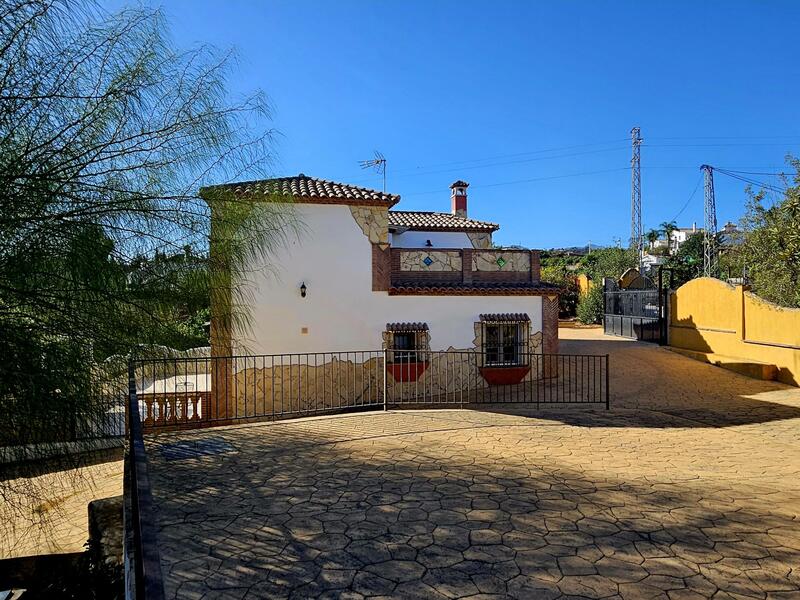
(303, 290)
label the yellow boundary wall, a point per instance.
(584, 284)
(710, 316)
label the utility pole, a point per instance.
(637, 240)
(710, 231)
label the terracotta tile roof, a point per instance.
(310, 189)
(397, 327)
(436, 221)
(505, 318)
(474, 289)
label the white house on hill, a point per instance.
(363, 276)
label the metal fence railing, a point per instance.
(93, 422)
(197, 392)
(143, 578)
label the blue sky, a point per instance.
(530, 102)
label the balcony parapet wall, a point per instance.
(423, 261)
(463, 265)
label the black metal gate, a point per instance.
(639, 314)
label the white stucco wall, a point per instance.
(439, 239)
(334, 259)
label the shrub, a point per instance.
(590, 306)
(568, 298)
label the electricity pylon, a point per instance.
(637, 237)
(710, 231)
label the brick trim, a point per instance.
(550, 324)
(550, 334)
(468, 291)
(466, 265)
(381, 268)
(536, 266)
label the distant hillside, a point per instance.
(572, 251)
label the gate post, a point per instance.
(608, 397)
(385, 353)
(131, 396)
(661, 308)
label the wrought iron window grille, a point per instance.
(505, 344)
(407, 342)
(404, 346)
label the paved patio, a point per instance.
(688, 488)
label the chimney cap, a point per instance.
(459, 183)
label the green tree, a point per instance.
(565, 279)
(687, 262)
(590, 307)
(609, 262)
(601, 263)
(107, 132)
(766, 250)
(652, 236)
(668, 227)
(769, 248)
(175, 288)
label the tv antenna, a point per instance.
(378, 163)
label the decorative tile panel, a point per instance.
(434, 260)
(499, 260)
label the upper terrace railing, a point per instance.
(463, 265)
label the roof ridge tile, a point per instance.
(303, 186)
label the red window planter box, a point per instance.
(504, 375)
(406, 371)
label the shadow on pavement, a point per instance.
(654, 387)
(292, 513)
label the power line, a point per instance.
(488, 185)
(497, 164)
(730, 173)
(515, 155)
(725, 145)
(748, 180)
(780, 174)
(727, 137)
(695, 166)
(694, 191)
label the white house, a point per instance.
(681, 234)
(677, 238)
(362, 276)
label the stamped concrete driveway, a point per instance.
(688, 488)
